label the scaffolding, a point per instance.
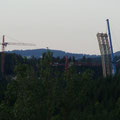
(105, 51)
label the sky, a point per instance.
(68, 25)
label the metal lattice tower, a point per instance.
(105, 51)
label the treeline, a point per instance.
(12, 60)
(39, 91)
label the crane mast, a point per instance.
(66, 64)
(4, 44)
(111, 48)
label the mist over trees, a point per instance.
(37, 89)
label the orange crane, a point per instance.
(4, 44)
(66, 65)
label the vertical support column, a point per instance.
(105, 53)
(109, 60)
(66, 65)
(102, 51)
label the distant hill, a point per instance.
(56, 53)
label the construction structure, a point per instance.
(106, 50)
(105, 53)
(66, 65)
(111, 48)
(4, 44)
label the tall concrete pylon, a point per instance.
(105, 51)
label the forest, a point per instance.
(37, 89)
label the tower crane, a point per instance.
(111, 47)
(4, 44)
(66, 64)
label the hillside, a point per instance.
(56, 53)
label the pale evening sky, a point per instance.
(69, 25)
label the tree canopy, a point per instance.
(38, 90)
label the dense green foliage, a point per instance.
(36, 90)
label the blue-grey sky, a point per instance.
(69, 25)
